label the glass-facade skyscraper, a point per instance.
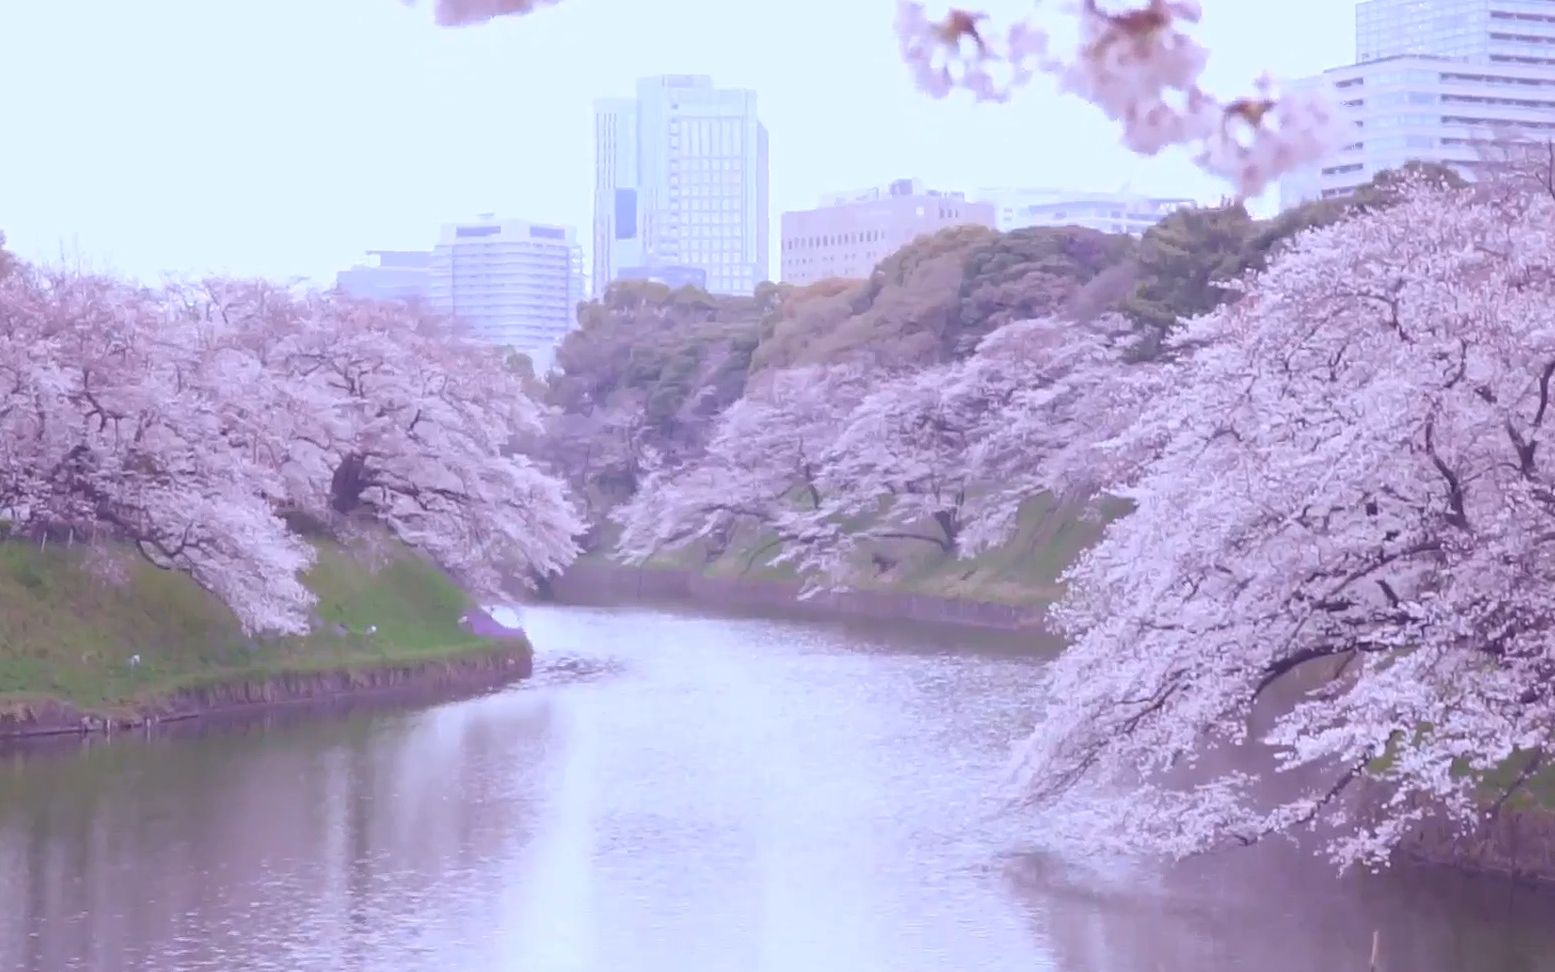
(681, 181)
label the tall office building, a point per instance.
(511, 282)
(389, 275)
(1498, 31)
(681, 183)
(1109, 212)
(1449, 81)
(850, 232)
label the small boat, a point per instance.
(495, 621)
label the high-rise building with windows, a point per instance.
(1449, 81)
(389, 275)
(681, 181)
(1109, 212)
(1498, 31)
(667, 274)
(850, 232)
(512, 283)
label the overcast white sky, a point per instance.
(286, 137)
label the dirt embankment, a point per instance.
(1516, 843)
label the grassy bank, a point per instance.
(69, 625)
(1023, 572)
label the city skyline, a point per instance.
(1446, 81)
(1008, 208)
(681, 174)
(850, 232)
(371, 146)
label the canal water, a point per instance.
(671, 793)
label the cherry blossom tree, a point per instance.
(112, 428)
(896, 472)
(833, 463)
(391, 416)
(1135, 60)
(1343, 483)
(762, 467)
(599, 454)
(947, 455)
(190, 422)
(1058, 395)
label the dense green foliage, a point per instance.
(934, 299)
(1032, 273)
(1181, 263)
(649, 368)
(643, 375)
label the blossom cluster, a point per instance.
(196, 423)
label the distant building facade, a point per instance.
(849, 233)
(670, 276)
(1429, 109)
(1492, 31)
(404, 275)
(1454, 82)
(681, 180)
(513, 283)
(1108, 212)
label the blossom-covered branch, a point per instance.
(464, 13)
(108, 429)
(1136, 60)
(763, 466)
(1140, 64)
(835, 465)
(393, 417)
(1345, 478)
(191, 422)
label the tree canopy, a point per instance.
(937, 297)
(1337, 485)
(1344, 475)
(203, 424)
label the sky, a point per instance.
(285, 138)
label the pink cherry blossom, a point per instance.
(762, 467)
(1341, 485)
(189, 422)
(1140, 64)
(464, 13)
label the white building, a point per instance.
(850, 232)
(1446, 81)
(513, 283)
(389, 275)
(681, 180)
(1498, 31)
(1109, 212)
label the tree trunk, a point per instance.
(347, 483)
(951, 525)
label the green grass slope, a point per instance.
(1024, 572)
(68, 634)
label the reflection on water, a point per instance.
(669, 793)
